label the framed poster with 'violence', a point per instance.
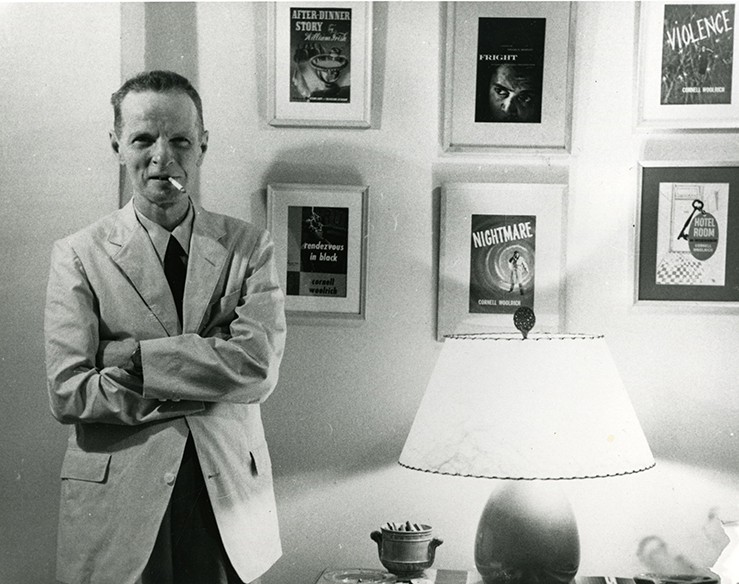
(686, 67)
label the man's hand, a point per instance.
(115, 353)
(125, 354)
(136, 366)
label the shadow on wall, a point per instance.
(348, 393)
(658, 558)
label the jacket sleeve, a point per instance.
(81, 388)
(237, 362)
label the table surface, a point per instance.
(431, 576)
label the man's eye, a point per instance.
(182, 142)
(525, 99)
(501, 91)
(141, 141)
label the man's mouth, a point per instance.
(170, 180)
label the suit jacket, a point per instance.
(106, 291)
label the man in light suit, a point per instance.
(164, 332)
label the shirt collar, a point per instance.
(159, 236)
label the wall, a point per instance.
(347, 394)
(58, 64)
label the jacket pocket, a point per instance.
(86, 466)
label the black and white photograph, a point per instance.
(369, 292)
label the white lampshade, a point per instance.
(545, 407)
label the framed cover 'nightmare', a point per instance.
(501, 247)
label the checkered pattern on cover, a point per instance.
(679, 269)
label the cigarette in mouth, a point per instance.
(177, 185)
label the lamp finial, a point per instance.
(524, 319)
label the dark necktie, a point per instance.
(175, 268)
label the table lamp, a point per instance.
(533, 410)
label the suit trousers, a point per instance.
(188, 548)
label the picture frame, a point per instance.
(481, 285)
(687, 254)
(485, 109)
(320, 64)
(320, 236)
(684, 81)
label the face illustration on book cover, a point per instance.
(502, 263)
(320, 45)
(697, 54)
(317, 251)
(510, 65)
(691, 234)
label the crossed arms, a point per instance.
(234, 358)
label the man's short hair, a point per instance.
(159, 81)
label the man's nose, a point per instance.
(162, 154)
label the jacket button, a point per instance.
(169, 478)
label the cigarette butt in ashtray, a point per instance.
(406, 526)
(176, 184)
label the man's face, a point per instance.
(512, 96)
(160, 137)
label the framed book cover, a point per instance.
(320, 64)
(320, 248)
(508, 76)
(686, 67)
(501, 247)
(510, 70)
(502, 263)
(687, 244)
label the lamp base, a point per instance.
(527, 534)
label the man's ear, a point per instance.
(114, 144)
(203, 146)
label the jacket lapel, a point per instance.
(131, 249)
(204, 266)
